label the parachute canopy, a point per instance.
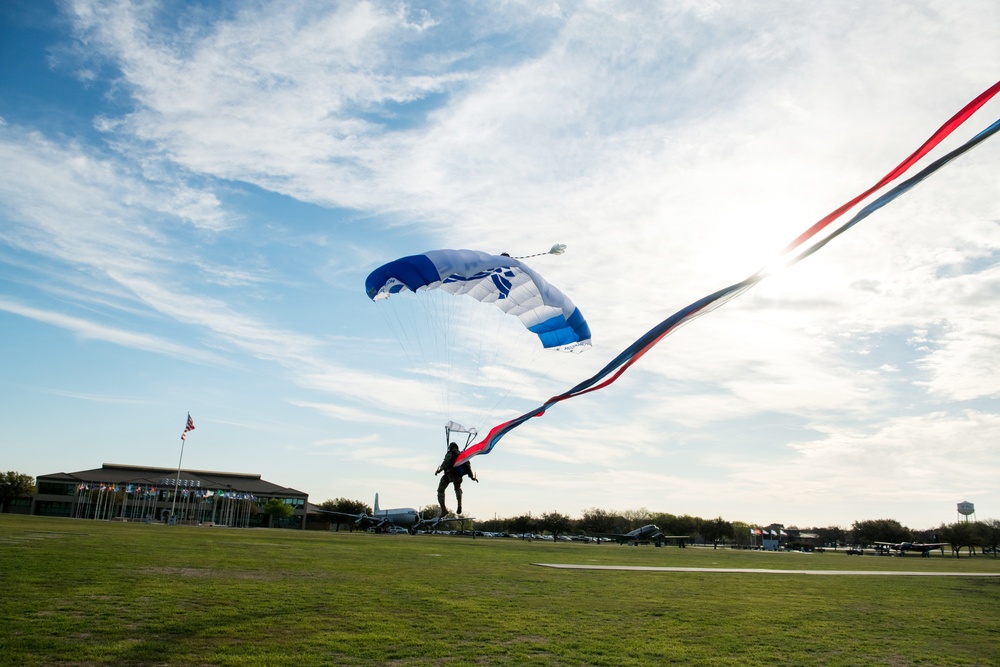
(503, 281)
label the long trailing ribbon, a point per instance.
(617, 366)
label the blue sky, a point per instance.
(192, 195)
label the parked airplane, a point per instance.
(401, 517)
(440, 522)
(644, 535)
(902, 547)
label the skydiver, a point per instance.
(452, 475)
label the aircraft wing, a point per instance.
(437, 522)
(356, 517)
(359, 519)
(623, 538)
(911, 546)
(923, 547)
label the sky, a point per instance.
(192, 194)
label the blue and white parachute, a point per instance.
(503, 281)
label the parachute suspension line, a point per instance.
(494, 343)
(410, 332)
(557, 249)
(441, 358)
(408, 343)
(515, 348)
(502, 358)
(471, 343)
(534, 353)
(452, 427)
(480, 353)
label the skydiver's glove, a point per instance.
(474, 479)
(438, 471)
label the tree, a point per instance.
(635, 518)
(488, 525)
(926, 535)
(599, 521)
(430, 511)
(832, 536)
(715, 530)
(555, 523)
(346, 506)
(667, 523)
(741, 533)
(685, 524)
(880, 530)
(522, 524)
(14, 485)
(989, 535)
(276, 508)
(958, 535)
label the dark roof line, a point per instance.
(119, 466)
(113, 472)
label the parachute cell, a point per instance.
(503, 281)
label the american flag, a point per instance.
(188, 427)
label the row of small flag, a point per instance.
(764, 531)
(151, 491)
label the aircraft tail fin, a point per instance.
(376, 503)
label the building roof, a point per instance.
(114, 473)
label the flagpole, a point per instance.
(177, 480)
(189, 426)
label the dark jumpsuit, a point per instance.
(452, 475)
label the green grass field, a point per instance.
(80, 592)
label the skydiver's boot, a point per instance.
(458, 498)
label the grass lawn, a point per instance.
(79, 592)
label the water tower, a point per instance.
(966, 509)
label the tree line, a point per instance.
(984, 535)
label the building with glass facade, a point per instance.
(136, 493)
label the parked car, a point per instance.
(855, 551)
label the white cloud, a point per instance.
(94, 331)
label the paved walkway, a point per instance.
(742, 570)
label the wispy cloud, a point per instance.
(94, 331)
(98, 398)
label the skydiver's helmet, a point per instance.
(453, 447)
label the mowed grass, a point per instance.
(86, 593)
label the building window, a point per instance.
(53, 508)
(56, 489)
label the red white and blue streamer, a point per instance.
(795, 252)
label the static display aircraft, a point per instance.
(644, 535)
(902, 547)
(400, 517)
